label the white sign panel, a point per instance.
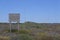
(14, 17)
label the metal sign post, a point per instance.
(14, 18)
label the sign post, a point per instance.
(14, 18)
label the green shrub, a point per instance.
(24, 32)
(13, 30)
(23, 37)
(4, 38)
(20, 31)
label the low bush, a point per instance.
(23, 37)
(24, 31)
(4, 38)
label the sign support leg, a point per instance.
(10, 26)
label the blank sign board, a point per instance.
(14, 17)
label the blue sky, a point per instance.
(41, 11)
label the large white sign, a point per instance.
(14, 17)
